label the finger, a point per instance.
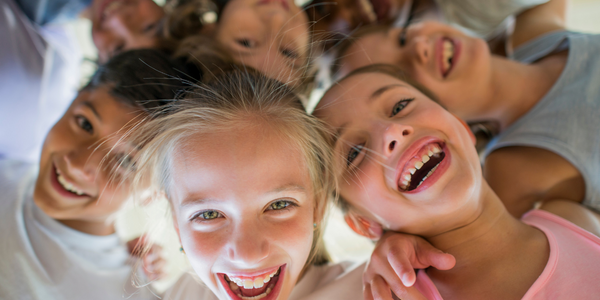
(402, 267)
(381, 290)
(427, 256)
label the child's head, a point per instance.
(79, 152)
(402, 160)
(120, 25)
(247, 174)
(456, 67)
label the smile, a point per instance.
(262, 286)
(448, 55)
(421, 166)
(66, 187)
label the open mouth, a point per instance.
(66, 187)
(421, 166)
(448, 52)
(265, 286)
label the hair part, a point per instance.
(231, 100)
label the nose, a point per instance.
(84, 162)
(248, 245)
(393, 136)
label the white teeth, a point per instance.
(407, 177)
(425, 158)
(429, 153)
(436, 150)
(412, 171)
(447, 55)
(418, 165)
(258, 283)
(251, 283)
(248, 283)
(67, 185)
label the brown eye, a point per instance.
(278, 205)
(209, 214)
(399, 106)
(84, 124)
(246, 43)
(353, 154)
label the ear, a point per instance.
(363, 226)
(473, 139)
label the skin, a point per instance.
(458, 213)
(243, 204)
(129, 24)
(271, 36)
(481, 86)
(79, 147)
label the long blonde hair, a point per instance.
(231, 100)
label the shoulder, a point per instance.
(189, 287)
(15, 179)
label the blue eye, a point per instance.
(353, 154)
(400, 105)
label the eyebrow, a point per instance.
(384, 89)
(92, 108)
(285, 188)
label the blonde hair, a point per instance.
(231, 100)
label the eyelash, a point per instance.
(84, 124)
(400, 104)
(202, 216)
(289, 53)
(245, 43)
(355, 149)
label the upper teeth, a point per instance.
(67, 185)
(447, 55)
(406, 176)
(253, 282)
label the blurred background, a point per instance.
(343, 244)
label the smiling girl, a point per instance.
(406, 164)
(247, 174)
(58, 232)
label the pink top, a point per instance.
(573, 269)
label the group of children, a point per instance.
(212, 120)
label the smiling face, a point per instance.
(402, 160)
(74, 183)
(269, 35)
(119, 25)
(244, 210)
(454, 66)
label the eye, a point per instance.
(289, 53)
(400, 105)
(150, 27)
(207, 215)
(353, 153)
(246, 43)
(84, 124)
(279, 205)
(125, 161)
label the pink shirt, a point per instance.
(573, 269)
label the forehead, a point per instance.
(240, 162)
(110, 111)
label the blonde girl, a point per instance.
(247, 174)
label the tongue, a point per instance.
(256, 291)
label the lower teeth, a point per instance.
(428, 174)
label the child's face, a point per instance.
(268, 35)
(75, 171)
(456, 67)
(119, 25)
(402, 160)
(244, 210)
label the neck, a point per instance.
(102, 227)
(515, 89)
(491, 234)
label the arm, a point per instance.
(575, 213)
(539, 20)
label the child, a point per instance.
(408, 165)
(58, 235)
(247, 175)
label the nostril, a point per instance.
(405, 132)
(392, 145)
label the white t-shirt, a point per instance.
(43, 259)
(39, 77)
(328, 282)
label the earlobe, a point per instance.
(363, 226)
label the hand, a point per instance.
(152, 261)
(392, 265)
